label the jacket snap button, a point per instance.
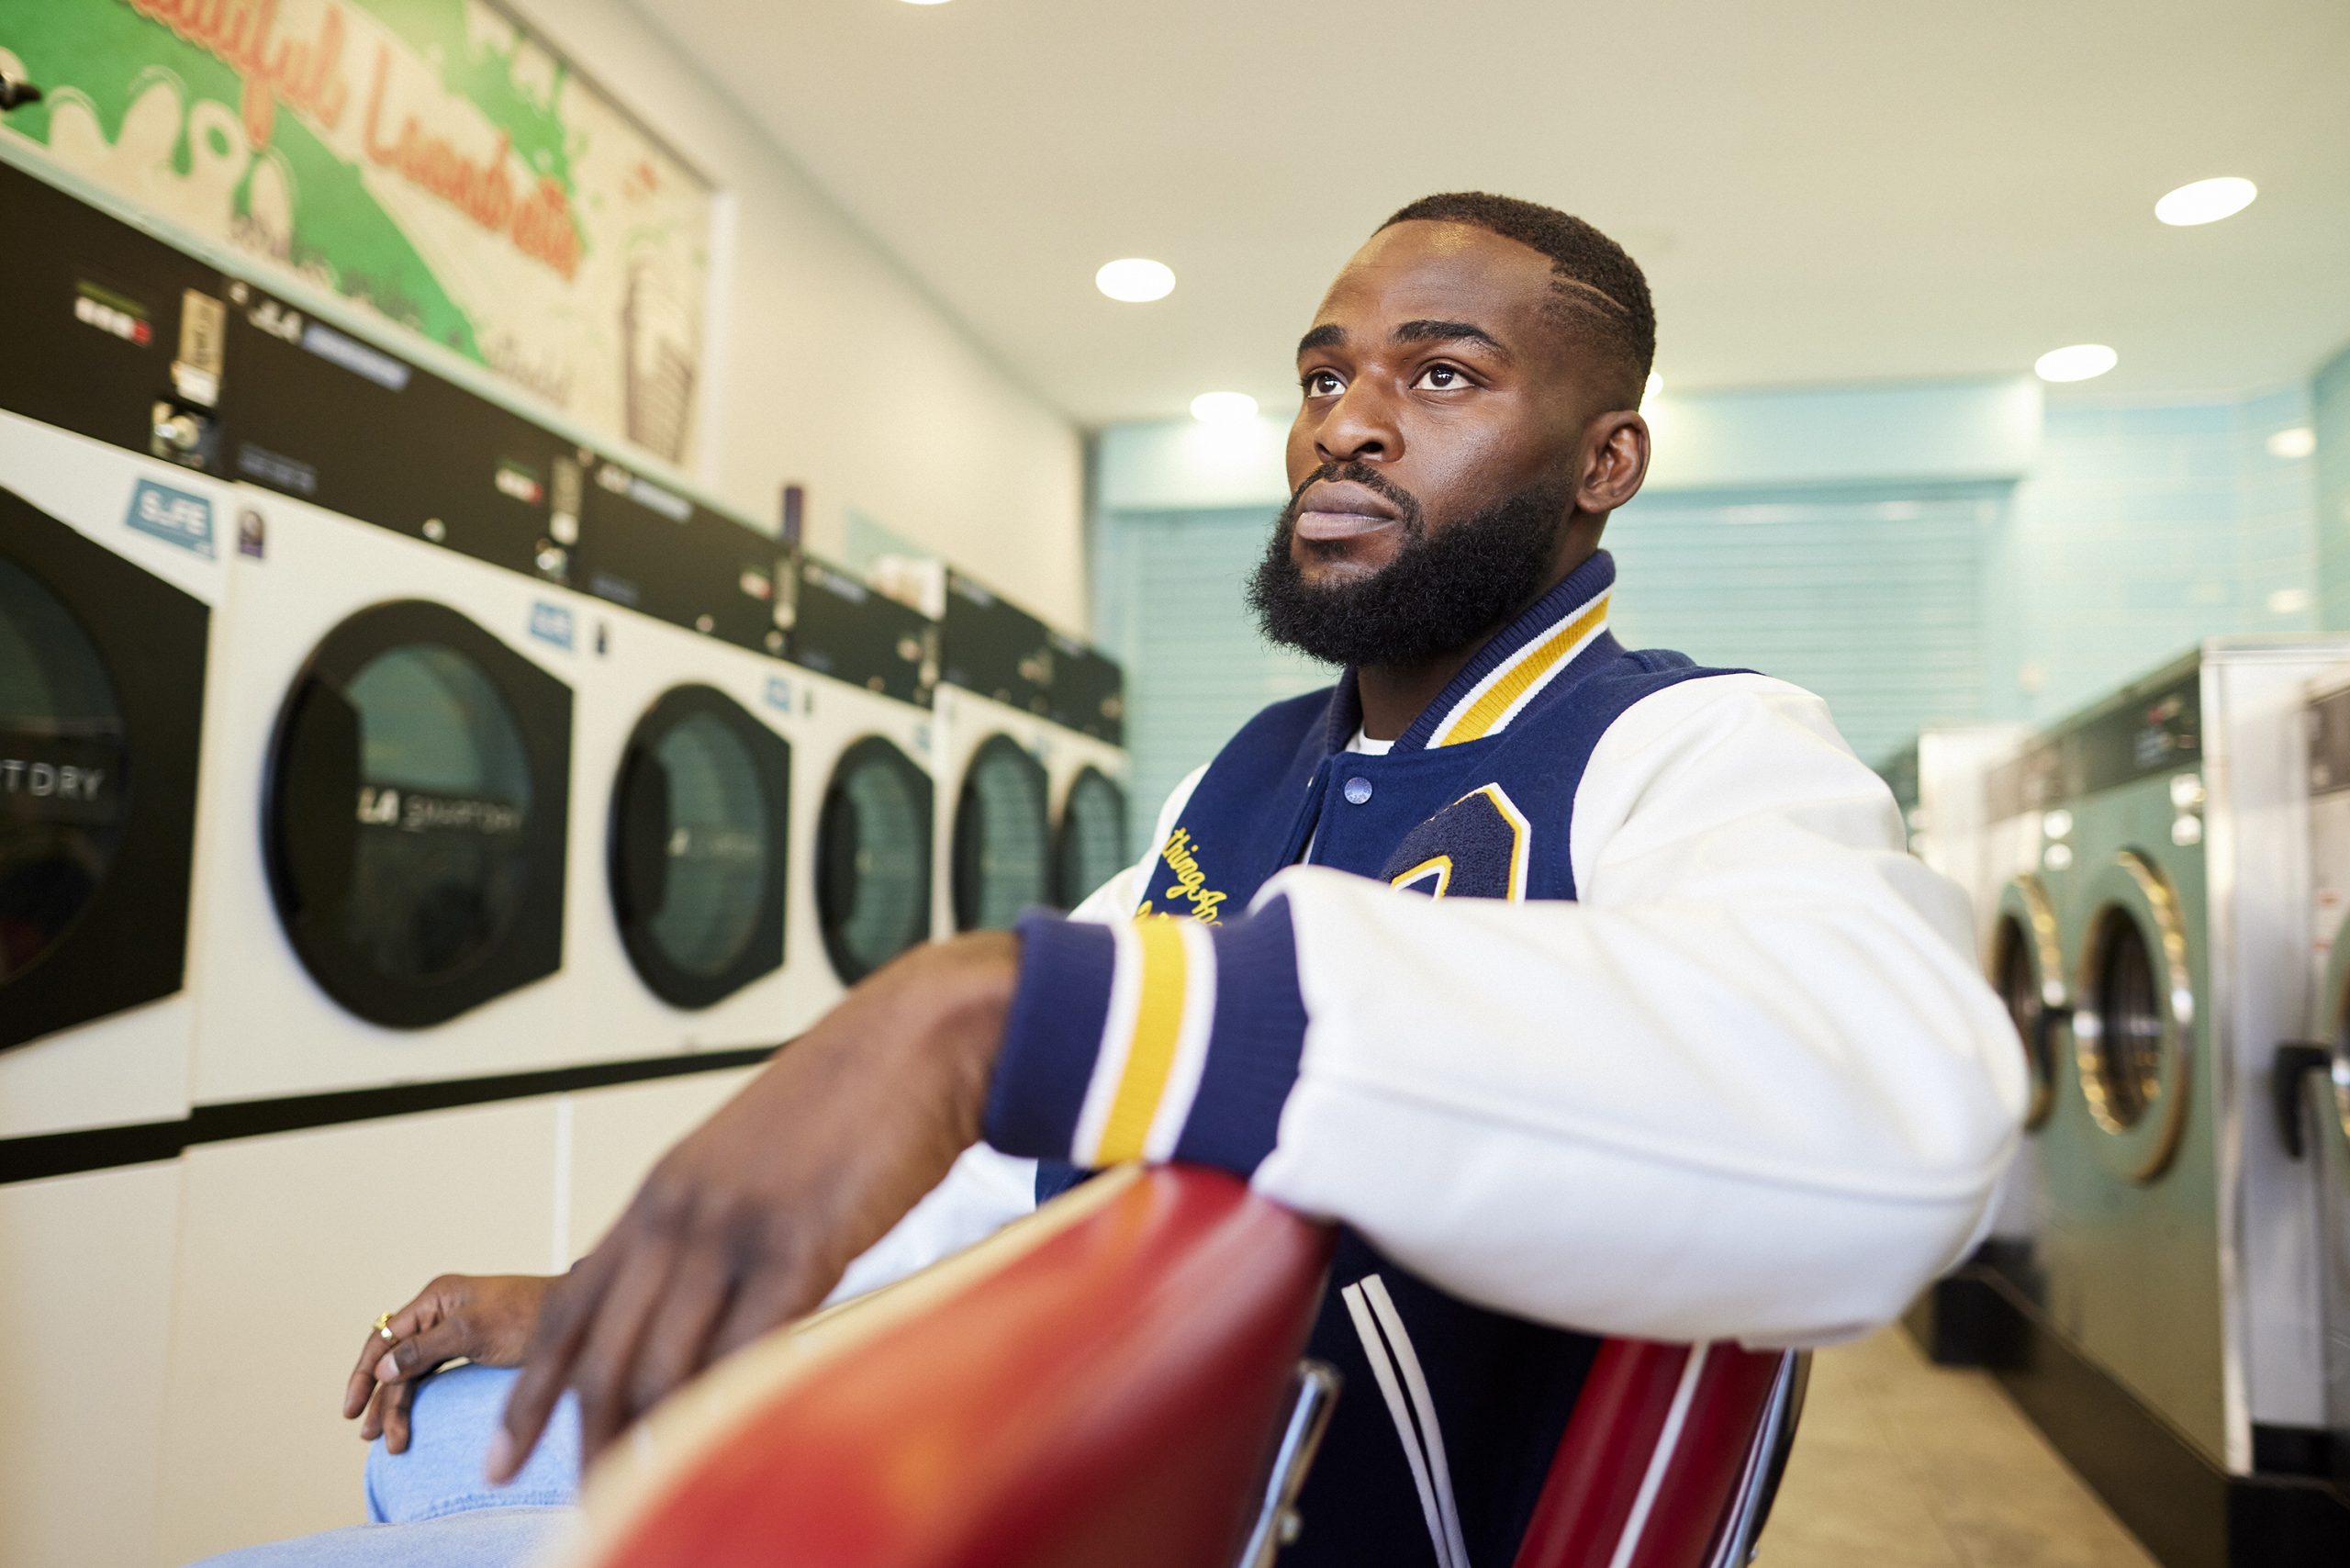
(1358, 791)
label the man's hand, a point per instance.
(485, 1317)
(753, 1217)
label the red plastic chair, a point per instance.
(1116, 1381)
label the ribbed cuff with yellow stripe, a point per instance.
(1159, 1038)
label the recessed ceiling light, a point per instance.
(2299, 441)
(1655, 386)
(2206, 201)
(2080, 362)
(1223, 408)
(1138, 280)
(925, 2)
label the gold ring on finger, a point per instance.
(384, 1326)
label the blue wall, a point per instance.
(2330, 395)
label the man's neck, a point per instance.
(1394, 695)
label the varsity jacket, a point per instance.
(1605, 1003)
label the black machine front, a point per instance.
(699, 847)
(1091, 847)
(1003, 862)
(101, 682)
(873, 842)
(415, 812)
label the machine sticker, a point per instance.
(370, 365)
(118, 315)
(204, 331)
(172, 516)
(552, 623)
(779, 693)
(252, 535)
(276, 470)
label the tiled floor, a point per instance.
(1900, 1463)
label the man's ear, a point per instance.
(1616, 459)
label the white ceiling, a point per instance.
(1822, 190)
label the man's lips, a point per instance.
(1340, 510)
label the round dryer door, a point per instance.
(2133, 1019)
(2027, 969)
(701, 820)
(418, 790)
(873, 859)
(101, 691)
(1003, 837)
(1093, 847)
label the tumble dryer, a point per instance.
(2176, 1247)
(993, 857)
(2320, 1074)
(1091, 826)
(393, 777)
(862, 690)
(114, 566)
(684, 792)
(113, 583)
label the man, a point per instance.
(1590, 992)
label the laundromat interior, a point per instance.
(554, 553)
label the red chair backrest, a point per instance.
(1665, 1449)
(1104, 1383)
(1099, 1384)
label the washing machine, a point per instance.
(2176, 1248)
(865, 670)
(113, 585)
(995, 844)
(2318, 1087)
(1086, 757)
(684, 786)
(1942, 782)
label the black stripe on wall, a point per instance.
(106, 1148)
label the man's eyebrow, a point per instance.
(1328, 335)
(1425, 332)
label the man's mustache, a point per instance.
(1355, 472)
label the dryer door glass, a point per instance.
(62, 771)
(873, 859)
(698, 829)
(417, 801)
(1094, 838)
(2129, 1041)
(1003, 837)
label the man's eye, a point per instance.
(1323, 384)
(1441, 379)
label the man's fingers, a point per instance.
(607, 1360)
(774, 1295)
(412, 1356)
(554, 1344)
(671, 1347)
(407, 1321)
(398, 1400)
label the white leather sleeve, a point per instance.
(986, 1191)
(1749, 1086)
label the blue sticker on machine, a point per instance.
(172, 516)
(779, 693)
(551, 623)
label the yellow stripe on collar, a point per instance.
(1150, 1051)
(1534, 664)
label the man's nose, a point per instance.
(1360, 428)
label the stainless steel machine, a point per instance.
(2157, 948)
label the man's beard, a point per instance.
(1443, 591)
